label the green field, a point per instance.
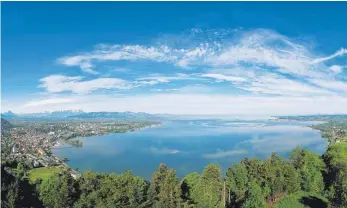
(43, 172)
(343, 144)
(303, 200)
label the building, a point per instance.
(14, 149)
(41, 152)
(36, 164)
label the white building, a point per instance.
(14, 149)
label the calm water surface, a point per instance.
(189, 145)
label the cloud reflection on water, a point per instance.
(223, 154)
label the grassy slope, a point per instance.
(43, 172)
(302, 200)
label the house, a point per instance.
(36, 164)
(41, 152)
(14, 149)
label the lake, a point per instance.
(189, 145)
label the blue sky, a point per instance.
(175, 57)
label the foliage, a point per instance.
(164, 188)
(254, 196)
(58, 190)
(21, 171)
(310, 168)
(75, 143)
(12, 194)
(290, 202)
(303, 200)
(237, 181)
(336, 179)
(210, 187)
(275, 182)
(9, 189)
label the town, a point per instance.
(30, 142)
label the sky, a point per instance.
(213, 58)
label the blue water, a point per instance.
(189, 145)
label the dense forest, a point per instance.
(304, 180)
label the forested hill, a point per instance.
(305, 180)
(5, 125)
(316, 117)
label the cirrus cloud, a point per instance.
(61, 83)
(218, 72)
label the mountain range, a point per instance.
(79, 114)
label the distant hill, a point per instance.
(5, 124)
(8, 114)
(54, 114)
(315, 117)
(79, 114)
(115, 115)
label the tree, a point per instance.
(189, 189)
(58, 191)
(292, 179)
(210, 187)
(130, 190)
(253, 166)
(12, 195)
(164, 189)
(170, 193)
(310, 167)
(335, 159)
(280, 178)
(237, 180)
(254, 196)
(157, 180)
(122, 190)
(21, 171)
(88, 183)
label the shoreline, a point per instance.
(76, 173)
(158, 125)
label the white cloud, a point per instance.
(262, 62)
(340, 52)
(336, 68)
(222, 154)
(49, 101)
(79, 60)
(331, 84)
(88, 67)
(273, 84)
(250, 79)
(266, 48)
(153, 80)
(116, 53)
(164, 90)
(222, 77)
(60, 83)
(203, 104)
(261, 49)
